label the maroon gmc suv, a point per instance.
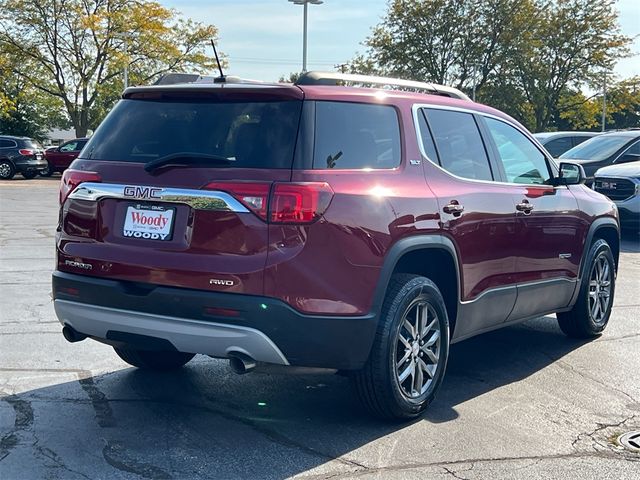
(323, 225)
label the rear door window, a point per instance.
(248, 134)
(356, 136)
(8, 144)
(459, 144)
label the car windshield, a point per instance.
(596, 148)
(247, 134)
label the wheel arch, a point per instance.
(433, 256)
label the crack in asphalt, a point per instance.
(474, 461)
(23, 421)
(568, 367)
(115, 455)
(607, 446)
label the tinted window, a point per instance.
(29, 143)
(522, 161)
(248, 134)
(579, 140)
(459, 144)
(558, 146)
(7, 143)
(353, 135)
(596, 148)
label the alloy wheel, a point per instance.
(599, 289)
(5, 170)
(417, 349)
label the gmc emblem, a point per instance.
(142, 192)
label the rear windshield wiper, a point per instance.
(186, 159)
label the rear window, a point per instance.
(249, 134)
(29, 143)
(356, 135)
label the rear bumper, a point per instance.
(264, 328)
(26, 164)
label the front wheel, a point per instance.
(590, 315)
(152, 359)
(409, 355)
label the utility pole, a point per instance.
(341, 66)
(604, 102)
(305, 3)
(126, 65)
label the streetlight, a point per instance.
(304, 31)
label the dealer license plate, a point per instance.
(149, 222)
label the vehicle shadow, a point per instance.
(204, 422)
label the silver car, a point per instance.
(621, 183)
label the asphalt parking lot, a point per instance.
(523, 402)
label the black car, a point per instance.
(556, 143)
(606, 149)
(20, 155)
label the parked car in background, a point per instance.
(20, 155)
(621, 183)
(557, 143)
(59, 158)
(605, 149)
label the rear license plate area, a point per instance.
(149, 222)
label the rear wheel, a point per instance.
(153, 359)
(7, 170)
(409, 355)
(590, 315)
(30, 174)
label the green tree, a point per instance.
(572, 42)
(76, 50)
(523, 56)
(623, 99)
(454, 42)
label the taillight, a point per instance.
(72, 178)
(299, 202)
(253, 195)
(296, 203)
(27, 152)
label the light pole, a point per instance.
(604, 101)
(305, 3)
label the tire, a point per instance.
(30, 174)
(154, 359)
(48, 171)
(379, 384)
(7, 170)
(590, 315)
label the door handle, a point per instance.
(454, 208)
(524, 207)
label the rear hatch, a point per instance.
(173, 187)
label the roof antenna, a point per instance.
(221, 78)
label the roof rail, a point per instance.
(178, 78)
(335, 78)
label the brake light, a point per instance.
(299, 202)
(26, 152)
(253, 195)
(296, 203)
(72, 178)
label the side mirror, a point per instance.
(571, 174)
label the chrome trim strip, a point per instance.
(212, 200)
(519, 285)
(415, 111)
(187, 335)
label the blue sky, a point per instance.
(263, 38)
